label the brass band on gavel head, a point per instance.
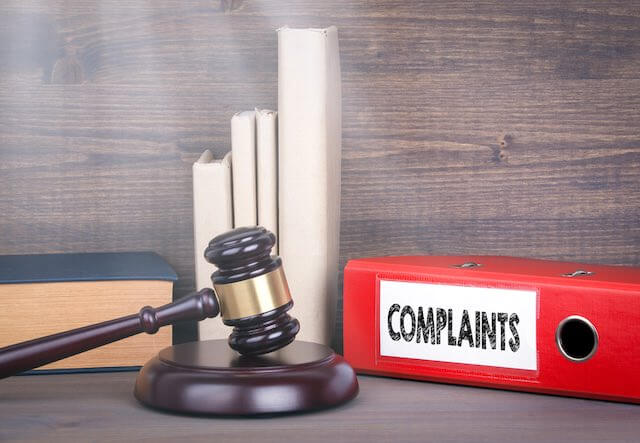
(253, 296)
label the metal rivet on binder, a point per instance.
(468, 264)
(578, 273)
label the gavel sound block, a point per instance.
(261, 370)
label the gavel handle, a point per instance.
(41, 351)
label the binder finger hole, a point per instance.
(577, 338)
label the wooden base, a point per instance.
(208, 377)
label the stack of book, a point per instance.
(283, 173)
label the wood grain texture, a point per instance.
(101, 407)
(493, 127)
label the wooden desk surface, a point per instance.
(101, 407)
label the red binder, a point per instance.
(502, 322)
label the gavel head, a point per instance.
(252, 290)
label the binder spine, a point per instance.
(511, 323)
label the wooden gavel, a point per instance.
(252, 296)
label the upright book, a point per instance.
(267, 170)
(309, 147)
(243, 148)
(212, 215)
(503, 322)
(46, 294)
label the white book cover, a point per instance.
(212, 215)
(267, 170)
(309, 149)
(243, 148)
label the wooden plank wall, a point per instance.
(495, 127)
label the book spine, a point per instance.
(212, 215)
(267, 170)
(243, 147)
(309, 123)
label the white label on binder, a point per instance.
(458, 324)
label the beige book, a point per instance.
(309, 149)
(243, 147)
(267, 170)
(212, 215)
